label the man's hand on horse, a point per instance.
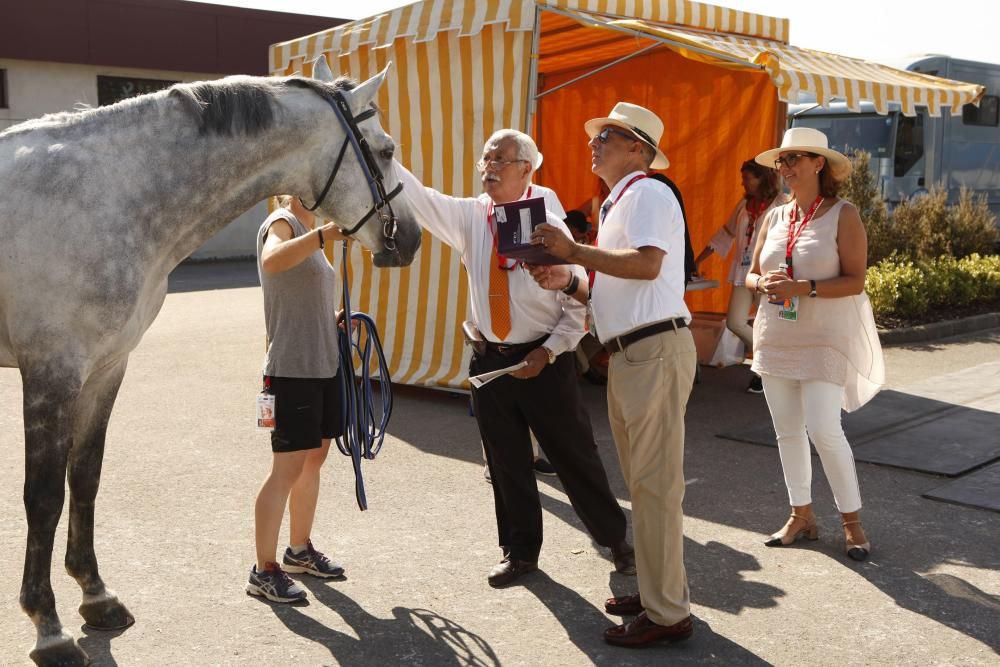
(537, 360)
(556, 276)
(555, 242)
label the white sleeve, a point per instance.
(652, 216)
(552, 204)
(443, 216)
(568, 331)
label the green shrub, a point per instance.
(899, 287)
(923, 228)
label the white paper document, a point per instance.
(478, 381)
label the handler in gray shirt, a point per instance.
(301, 373)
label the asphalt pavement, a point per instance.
(184, 461)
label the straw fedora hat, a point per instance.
(808, 140)
(641, 122)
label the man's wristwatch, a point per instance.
(812, 288)
(552, 355)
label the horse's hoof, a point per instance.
(63, 652)
(106, 614)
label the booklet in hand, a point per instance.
(515, 221)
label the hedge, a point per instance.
(908, 289)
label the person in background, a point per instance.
(760, 195)
(815, 342)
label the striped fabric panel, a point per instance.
(480, 84)
(422, 21)
(795, 71)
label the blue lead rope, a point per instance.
(363, 418)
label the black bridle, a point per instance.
(373, 174)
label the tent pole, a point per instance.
(530, 104)
(599, 69)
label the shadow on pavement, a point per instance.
(198, 276)
(585, 624)
(411, 634)
(97, 644)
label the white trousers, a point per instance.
(810, 409)
(740, 302)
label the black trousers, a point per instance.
(550, 405)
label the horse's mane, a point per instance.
(234, 105)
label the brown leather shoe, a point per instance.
(641, 632)
(623, 556)
(508, 570)
(627, 605)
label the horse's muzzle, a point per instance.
(408, 236)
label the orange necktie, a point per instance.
(499, 296)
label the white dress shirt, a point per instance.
(462, 224)
(647, 214)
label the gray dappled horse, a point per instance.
(96, 208)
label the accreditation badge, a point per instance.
(789, 309)
(265, 411)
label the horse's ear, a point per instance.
(365, 93)
(322, 71)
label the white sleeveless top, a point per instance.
(833, 340)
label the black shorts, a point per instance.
(306, 410)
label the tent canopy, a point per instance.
(464, 68)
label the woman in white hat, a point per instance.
(815, 343)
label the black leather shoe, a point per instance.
(623, 556)
(509, 570)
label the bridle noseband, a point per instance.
(373, 174)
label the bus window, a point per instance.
(909, 143)
(847, 133)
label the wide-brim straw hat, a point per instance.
(808, 140)
(642, 123)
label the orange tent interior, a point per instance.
(714, 117)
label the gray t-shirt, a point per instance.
(299, 311)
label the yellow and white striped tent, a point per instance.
(464, 68)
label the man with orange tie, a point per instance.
(520, 321)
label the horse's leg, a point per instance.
(100, 607)
(50, 397)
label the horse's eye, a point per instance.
(387, 153)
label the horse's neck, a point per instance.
(223, 177)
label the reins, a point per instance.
(363, 426)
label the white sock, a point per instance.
(297, 549)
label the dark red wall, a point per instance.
(149, 34)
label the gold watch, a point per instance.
(552, 355)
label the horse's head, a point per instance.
(358, 186)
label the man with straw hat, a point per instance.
(639, 315)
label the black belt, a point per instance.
(506, 349)
(621, 342)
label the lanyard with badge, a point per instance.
(789, 308)
(605, 210)
(754, 210)
(265, 407)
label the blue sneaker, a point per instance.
(311, 562)
(272, 583)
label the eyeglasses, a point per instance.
(606, 133)
(791, 159)
(494, 165)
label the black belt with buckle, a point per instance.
(487, 347)
(621, 342)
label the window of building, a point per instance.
(3, 89)
(986, 114)
(111, 89)
(909, 143)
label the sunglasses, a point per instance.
(791, 159)
(494, 165)
(606, 133)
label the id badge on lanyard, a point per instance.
(265, 408)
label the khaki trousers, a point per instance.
(648, 388)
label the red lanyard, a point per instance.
(610, 205)
(754, 210)
(501, 259)
(795, 232)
